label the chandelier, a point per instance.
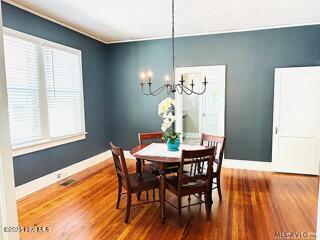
(169, 85)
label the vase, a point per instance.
(173, 147)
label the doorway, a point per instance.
(296, 132)
(204, 113)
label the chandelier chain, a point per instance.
(173, 49)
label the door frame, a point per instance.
(8, 207)
(178, 97)
(276, 114)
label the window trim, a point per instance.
(48, 142)
(45, 144)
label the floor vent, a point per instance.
(68, 182)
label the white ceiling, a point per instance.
(123, 20)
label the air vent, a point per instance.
(68, 182)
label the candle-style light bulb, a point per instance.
(167, 79)
(150, 74)
(143, 77)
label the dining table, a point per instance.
(160, 155)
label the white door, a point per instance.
(296, 120)
(213, 103)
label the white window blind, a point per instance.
(22, 71)
(44, 85)
(63, 74)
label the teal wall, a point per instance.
(118, 115)
(251, 58)
(96, 98)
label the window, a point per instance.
(45, 95)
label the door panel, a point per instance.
(212, 117)
(295, 149)
(296, 120)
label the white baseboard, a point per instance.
(246, 164)
(233, 163)
(192, 135)
(128, 155)
(42, 182)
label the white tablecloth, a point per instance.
(161, 150)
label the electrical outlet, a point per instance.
(59, 175)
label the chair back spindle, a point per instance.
(148, 138)
(196, 159)
(218, 143)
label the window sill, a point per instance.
(33, 147)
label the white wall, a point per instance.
(8, 208)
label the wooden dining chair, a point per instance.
(148, 138)
(154, 137)
(132, 182)
(194, 181)
(219, 143)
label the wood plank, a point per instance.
(255, 205)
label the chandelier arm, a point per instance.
(145, 93)
(173, 87)
(203, 91)
(156, 92)
(169, 89)
(179, 86)
(150, 93)
(189, 92)
(183, 87)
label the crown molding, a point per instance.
(219, 32)
(18, 5)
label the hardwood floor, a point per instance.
(255, 205)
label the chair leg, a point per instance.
(189, 200)
(126, 220)
(179, 206)
(147, 192)
(219, 187)
(159, 195)
(119, 194)
(153, 195)
(199, 196)
(207, 204)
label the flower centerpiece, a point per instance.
(166, 112)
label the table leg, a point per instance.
(139, 173)
(210, 191)
(139, 167)
(162, 191)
